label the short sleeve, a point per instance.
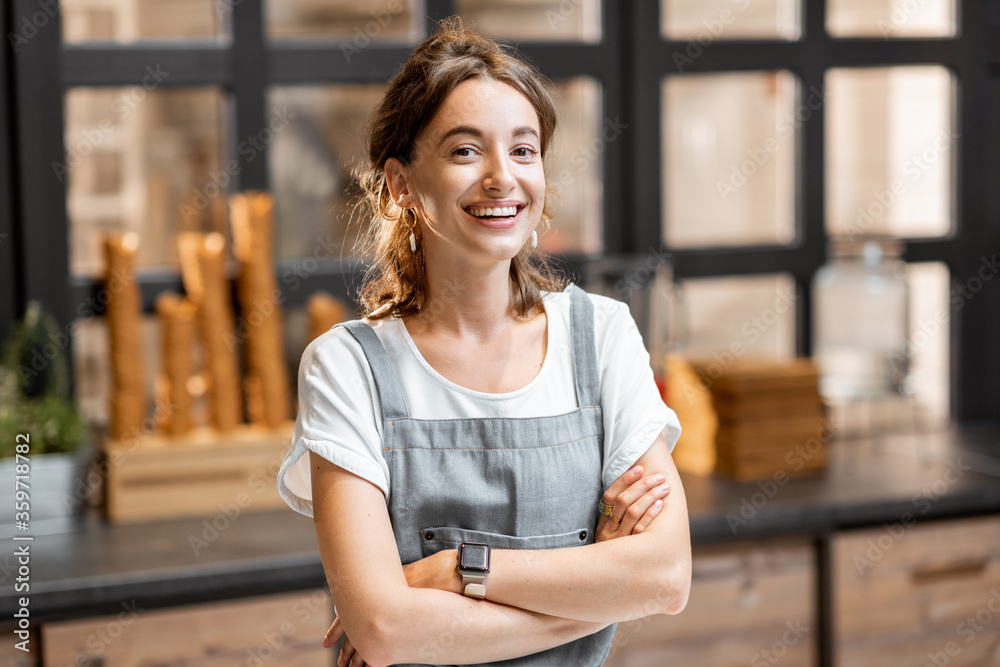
(338, 417)
(634, 411)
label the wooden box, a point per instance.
(749, 605)
(284, 629)
(200, 474)
(918, 594)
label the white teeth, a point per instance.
(504, 211)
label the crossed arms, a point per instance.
(536, 599)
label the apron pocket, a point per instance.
(446, 537)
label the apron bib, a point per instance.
(511, 483)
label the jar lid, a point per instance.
(872, 249)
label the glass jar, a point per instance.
(860, 321)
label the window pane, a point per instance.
(729, 318)
(140, 20)
(889, 151)
(573, 168)
(315, 193)
(890, 18)
(729, 158)
(359, 22)
(930, 342)
(535, 20)
(709, 20)
(311, 163)
(145, 161)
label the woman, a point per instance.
(461, 436)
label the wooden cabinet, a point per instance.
(920, 594)
(284, 629)
(750, 604)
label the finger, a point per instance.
(626, 509)
(346, 654)
(333, 634)
(638, 508)
(648, 517)
(620, 484)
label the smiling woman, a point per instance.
(485, 454)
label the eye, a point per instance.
(524, 151)
(462, 151)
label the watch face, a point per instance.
(475, 557)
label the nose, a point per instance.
(498, 177)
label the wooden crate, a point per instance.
(749, 605)
(284, 629)
(904, 594)
(201, 474)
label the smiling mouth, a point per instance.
(494, 213)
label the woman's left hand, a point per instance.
(347, 652)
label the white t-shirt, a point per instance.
(340, 414)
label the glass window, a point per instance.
(709, 20)
(127, 21)
(929, 347)
(143, 160)
(891, 18)
(311, 162)
(729, 154)
(573, 168)
(889, 150)
(360, 23)
(316, 195)
(535, 20)
(728, 318)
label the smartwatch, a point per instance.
(474, 565)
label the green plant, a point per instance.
(35, 393)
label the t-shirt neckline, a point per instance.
(546, 362)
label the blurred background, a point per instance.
(795, 197)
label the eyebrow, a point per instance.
(468, 129)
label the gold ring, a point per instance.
(606, 510)
(615, 520)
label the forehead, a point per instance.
(488, 105)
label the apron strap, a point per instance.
(389, 392)
(581, 313)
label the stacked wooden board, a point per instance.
(770, 418)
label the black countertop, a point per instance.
(83, 566)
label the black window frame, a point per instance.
(629, 62)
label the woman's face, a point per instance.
(476, 181)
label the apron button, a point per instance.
(583, 534)
(428, 536)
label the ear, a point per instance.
(397, 178)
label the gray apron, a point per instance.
(511, 483)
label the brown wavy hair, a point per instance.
(395, 282)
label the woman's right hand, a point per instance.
(635, 500)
